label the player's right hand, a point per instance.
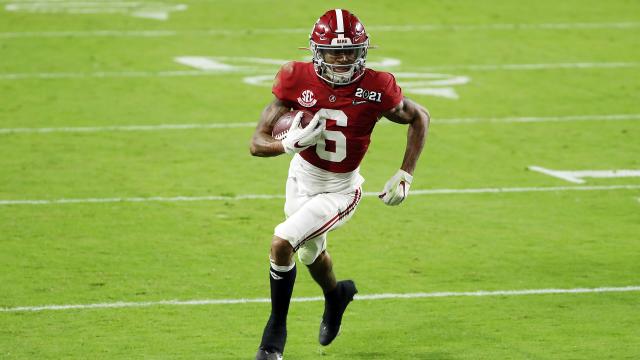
(298, 138)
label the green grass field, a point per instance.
(554, 84)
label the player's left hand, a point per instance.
(397, 188)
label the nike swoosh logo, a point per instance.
(274, 276)
(359, 102)
(297, 145)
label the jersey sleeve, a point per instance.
(283, 84)
(392, 94)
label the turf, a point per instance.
(85, 253)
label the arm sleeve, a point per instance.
(283, 83)
(392, 94)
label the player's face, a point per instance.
(341, 57)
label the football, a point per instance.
(283, 124)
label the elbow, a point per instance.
(424, 117)
(261, 148)
(253, 149)
(420, 118)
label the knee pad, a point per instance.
(310, 250)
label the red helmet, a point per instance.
(339, 45)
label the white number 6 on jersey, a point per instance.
(337, 137)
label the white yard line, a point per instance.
(372, 28)
(445, 121)
(111, 74)
(547, 66)
(386, 296)
(279, 196)
(507, 27)
(519, 190)
(148, 10)
(535, 119)
(90, 33)
(160, 127)
(253, 70)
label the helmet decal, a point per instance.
(339, 21)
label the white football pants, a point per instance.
(309, 218)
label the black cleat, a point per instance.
(273, 339)
(264, 354)
(332, 317)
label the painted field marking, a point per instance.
(278, 196)
(548, 66)
(226, 63)
(232, 125)
(147, 10)
(371, 297)
(508, 27)
(204, 63)
(430, 84)
(372, 28)
(536, 119)
(421, 83)
(107, 74)
(576, 176)
(263, 79)
(91, 129)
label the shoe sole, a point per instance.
(261, 355)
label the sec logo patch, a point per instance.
(307, 99)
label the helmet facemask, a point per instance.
(339, 64)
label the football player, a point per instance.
(324, 184)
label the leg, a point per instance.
(281, 251)
(282, 276)
(337, 295)
(309, 218)
(321, 271)
(282, 273)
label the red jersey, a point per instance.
(355, 108)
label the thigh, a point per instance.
(294, 199)
(316, 216)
